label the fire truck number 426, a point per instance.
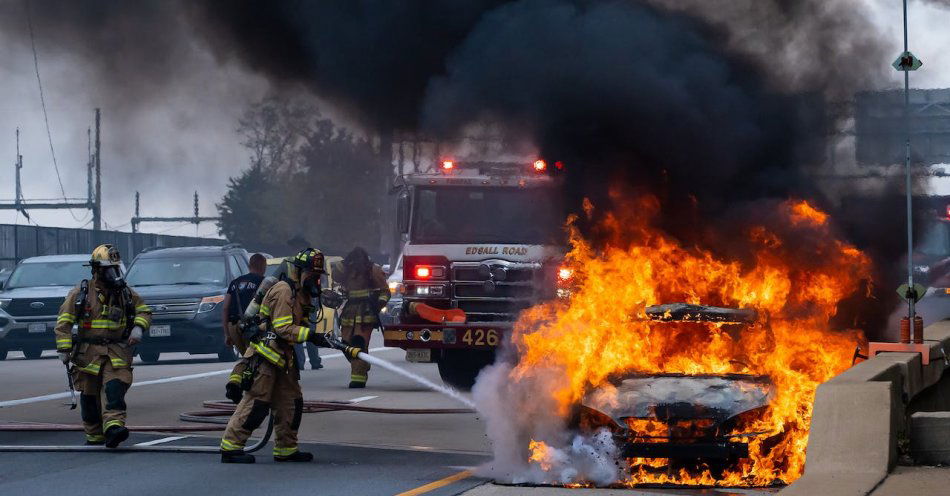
(480, 337)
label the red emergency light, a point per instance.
(423, 272)
(540, 165)
(448, 165)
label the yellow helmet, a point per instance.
(105, 256)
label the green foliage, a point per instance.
(308, 179)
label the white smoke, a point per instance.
(518, 411)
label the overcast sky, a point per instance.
(177, 141)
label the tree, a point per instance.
(308, 179)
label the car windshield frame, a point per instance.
(70, 278)
(448, 215)
(197, 272)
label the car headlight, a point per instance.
(5, 302)
(208, 303)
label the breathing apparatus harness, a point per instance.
(81, 310)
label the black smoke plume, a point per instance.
(713, 106)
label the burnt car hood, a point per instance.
(670, 397)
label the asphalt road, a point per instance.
(356, 453)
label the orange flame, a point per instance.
(602, 329)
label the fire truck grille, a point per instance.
(494, 291)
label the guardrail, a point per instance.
(861, 414)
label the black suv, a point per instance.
(185, 288)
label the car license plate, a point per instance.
(160, 331)
(37, 327)
(419, 355)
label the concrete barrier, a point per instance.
(861, 414)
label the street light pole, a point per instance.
(909, 186)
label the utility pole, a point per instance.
(97, 206)
(197, 219)
(18, 198)
(23, 205)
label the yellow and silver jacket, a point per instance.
(101, 320)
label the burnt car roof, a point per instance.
(687, 312)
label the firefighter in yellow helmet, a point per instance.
(275, 385)
(367, 292)
(99, 324)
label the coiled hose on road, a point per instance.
(215, 416)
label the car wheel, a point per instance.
(32, 353)
(227, 354)
(460, 368)
(149, 356)
(3, 352)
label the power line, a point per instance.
(49, 134)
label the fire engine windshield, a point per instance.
(486, 215)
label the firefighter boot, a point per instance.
(115, 435)
(359, 369)
(236, 456)
(296, 456)
(233, 392)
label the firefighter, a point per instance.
(367, 292)
(240, 293)
(110, 319)
(276, 378)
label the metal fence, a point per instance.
(19, 242)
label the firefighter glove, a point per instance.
(63, 357)
(135, 337)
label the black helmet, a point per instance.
(308, 259)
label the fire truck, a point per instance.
(481, 237)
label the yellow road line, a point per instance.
(432, 486)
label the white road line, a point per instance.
(362, 399)
(162, 440)
(166, 380)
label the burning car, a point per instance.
(691, 420)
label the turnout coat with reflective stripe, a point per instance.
(363, 300)
(101, 306)
(287, 311)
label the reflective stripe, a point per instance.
(113, 423)
(95, 438)
(234, 378)
(64, 343)
(358, 377)
(229, 446)
(141, 321)
(303, 334)
(281, 321)
(92, 368)
(118, 362)
(270, 354)
(107, 324)
(66, 317)
(284, 451)
(265, 310)
(143, 309)
(360, 293)
(384, 297)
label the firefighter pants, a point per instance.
(110, 382)
(359, 369)
(274, 389)
(234, 332)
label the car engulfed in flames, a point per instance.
(692, 421)
(716, 391)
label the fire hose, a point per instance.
(215, 415)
